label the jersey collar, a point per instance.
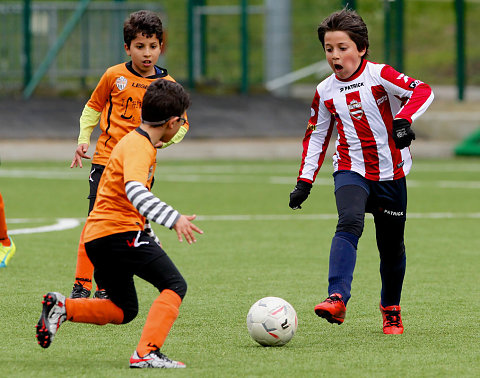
(143, 132)
(159, 71)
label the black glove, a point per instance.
(299, 194)
(402, 133)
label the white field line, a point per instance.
(61, 224)
(223, 174)
(298, 217)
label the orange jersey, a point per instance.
(132, 159)
(118, 96)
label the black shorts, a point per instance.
(94, 179)
(118, 257)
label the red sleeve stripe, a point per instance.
(417, 104)
(421, 93)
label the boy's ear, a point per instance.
(127, 49)
(171, 123)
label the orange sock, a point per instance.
(160, 319)
(3, 225)
(93, 311)
(84, 272)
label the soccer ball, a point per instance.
(272, 321)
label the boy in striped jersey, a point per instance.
(116, 102)
(117, 244)
(372, 107)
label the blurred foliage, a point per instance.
(429, 41)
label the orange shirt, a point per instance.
(132, 159)
(119, 95)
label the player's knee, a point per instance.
(179, 287)
(351, 221)
(129, 313)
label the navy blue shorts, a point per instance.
(383, 197)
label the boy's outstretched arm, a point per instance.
(153, 208)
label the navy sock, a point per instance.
(392, 272)
(343, 255)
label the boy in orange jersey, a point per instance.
(7, 247)
(119, 247)
(116, 103)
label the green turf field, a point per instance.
(253, 246)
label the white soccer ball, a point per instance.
(272, 321)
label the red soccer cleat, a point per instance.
(392, 320)
(332, 309)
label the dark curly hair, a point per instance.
(164, 99)
(349, 22)
(146, 22)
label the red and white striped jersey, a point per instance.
(362, 109)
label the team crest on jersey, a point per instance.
(355, 109)
(121, 83)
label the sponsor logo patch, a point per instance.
(352, 86)
(382, 99)
(404, 77)
(413, 84)
(393, 213)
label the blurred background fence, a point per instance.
(74, 45)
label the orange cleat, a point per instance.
(392, 320)
(332, 309)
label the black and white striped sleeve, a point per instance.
(150, 206)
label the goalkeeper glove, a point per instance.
(402, 133)
(299, 194)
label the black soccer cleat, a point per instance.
(101, 294)
(79, 291)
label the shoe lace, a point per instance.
(393, 318)
(333, 299)
(162, 356)
(77, 288)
